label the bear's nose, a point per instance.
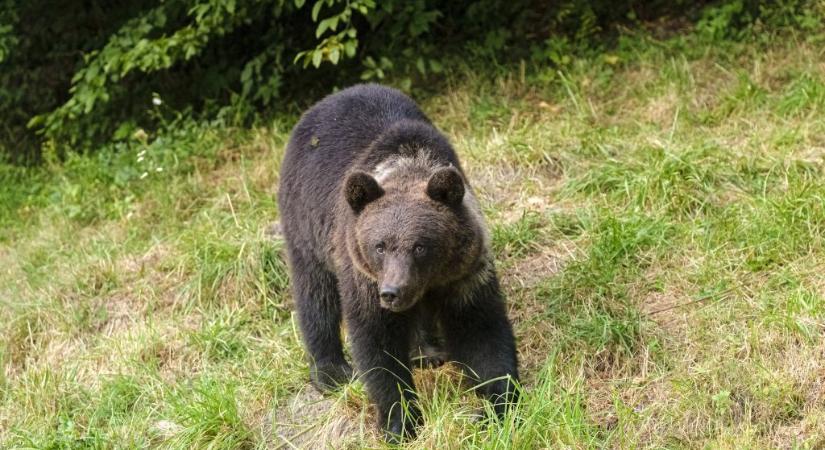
(389, 293)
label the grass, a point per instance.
(658, 216)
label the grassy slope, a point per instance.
(659, 229)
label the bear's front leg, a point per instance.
(480, 338)
(380, 350)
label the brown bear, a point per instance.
(382, 229)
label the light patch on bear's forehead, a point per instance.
(421, 161)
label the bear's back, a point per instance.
(348, 121)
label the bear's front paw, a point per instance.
(328, 377)
(428, 356)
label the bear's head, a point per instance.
(412, 235)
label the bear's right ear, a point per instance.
(360, 189)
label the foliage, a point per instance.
(738, 18)
(8, 20)
(75, 77)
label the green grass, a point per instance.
(658, 216)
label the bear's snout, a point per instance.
(389, 294)
(390, 298)
(396, 299)
(397, 290)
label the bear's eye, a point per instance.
(419, 250)
(379, 248)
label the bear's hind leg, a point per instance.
(319, 315)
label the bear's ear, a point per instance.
(446, 186)
(360, 189)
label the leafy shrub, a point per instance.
(736, 19)
(75, 75)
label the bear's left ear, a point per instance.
(360, 189)
(446, 186)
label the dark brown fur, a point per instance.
(382, 228)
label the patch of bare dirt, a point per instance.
(531, 270)
(128, 305)
(806, 433)
(617, 384)
(496, 185)
(525, 305)
(310, 420)
(662, 110)
(667, 310)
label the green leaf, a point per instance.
(350, 47)
(36, 121)
(316, 58)
(321, 28)
(328, 23)
(419, 64)
(316, 9)
(246, 74)
(124, 131)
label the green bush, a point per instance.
(75, 75)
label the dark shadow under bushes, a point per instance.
(75, 76)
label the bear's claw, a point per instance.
(428, 356)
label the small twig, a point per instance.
(698, 300)
(288, 441)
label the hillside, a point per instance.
(658, 219)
